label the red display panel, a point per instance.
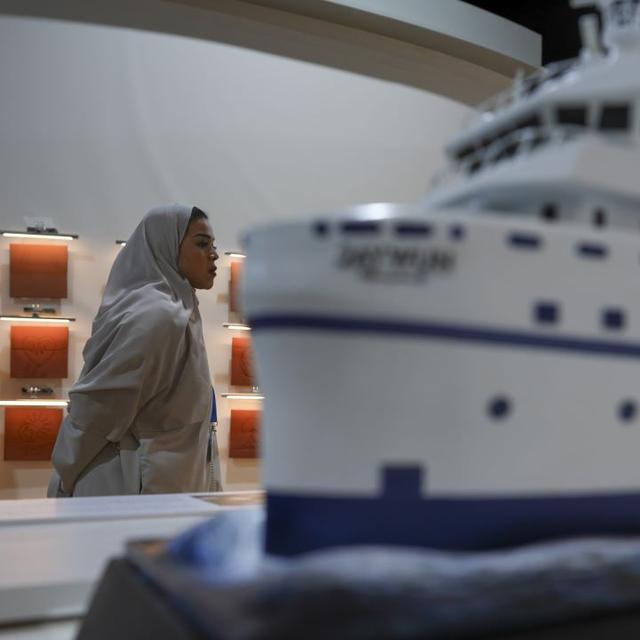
(39, 351)
(244, 433)
(241, 363)
(38, 271)
(234, 284)
(30, 432)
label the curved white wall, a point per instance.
(99, 124)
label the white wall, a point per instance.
(99, 124)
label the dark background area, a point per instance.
(554, 20)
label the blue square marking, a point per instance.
(546, 312)
(401, 482)
(613, 319)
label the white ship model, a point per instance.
(465, 374)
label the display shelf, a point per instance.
(236, 326)
(242, 396)
(40, 235)
(34, 402)
(35, 317)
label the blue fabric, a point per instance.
(214, 408)
(232, 589)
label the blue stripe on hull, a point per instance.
(298, 524)
(454, 332)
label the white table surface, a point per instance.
(53, 552)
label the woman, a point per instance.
(139, 415)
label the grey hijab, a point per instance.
(145, 272)
(145, 366)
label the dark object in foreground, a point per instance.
(214, 582)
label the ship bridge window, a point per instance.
(361, 226)
(413, 229)
(524, 240)
(546, 312)
(592, 250)
(615, 117)
(613, 319)
(575, 115)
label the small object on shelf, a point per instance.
(121, 243)
(33, 391)
(38, 271)
(36, 309)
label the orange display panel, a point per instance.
(39, 352)
(30, 432)
(241, 363)
(244, 433)
(234, 284)
(38, 271)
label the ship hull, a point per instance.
(298, 523)
(472, 387)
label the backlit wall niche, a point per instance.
(37, 350)
(242, 374)
(234, 284)
(30, 432)
(244, 433)
(243, 423)
(38, 271)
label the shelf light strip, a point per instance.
(46, 319)
(236, 326)
(39, 236)
(235, 254)
(34, 403)
(243, 396)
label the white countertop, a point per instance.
(53, 552)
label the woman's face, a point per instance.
(198, 255)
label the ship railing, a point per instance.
(622, 14)
(513, 145)
(520, 89)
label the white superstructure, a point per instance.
(466, 373)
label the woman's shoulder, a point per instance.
(160, 319)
